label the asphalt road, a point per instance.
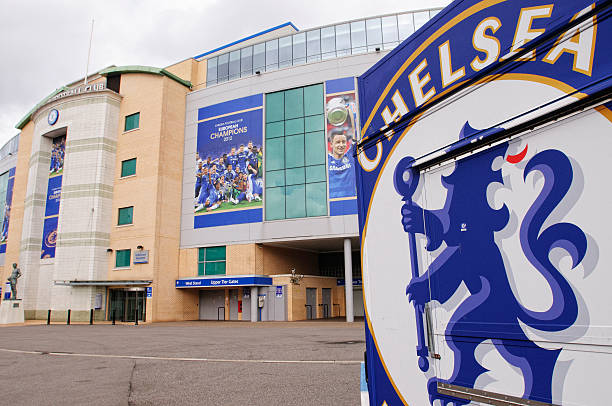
(189, 363)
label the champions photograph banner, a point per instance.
(342, 136)
(229, 163)
(7, 209)
(54, 191)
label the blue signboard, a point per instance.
(7, 211)
(279, 291)
(229, 163)
(342, 282)
(342, 137)
(149, 291)
(54, 191)
(223, 282)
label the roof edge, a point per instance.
(118, 70)
(26, 119)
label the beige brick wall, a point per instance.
(277, 260)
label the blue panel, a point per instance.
(224, 281)
(340, 85)
(230, 106)
(49, 238)
(232, 217)
(12, 172)
(2, 248)
(356, 282)
(7, 211)
(343, 207)
(54, 191)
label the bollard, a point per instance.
(48, 317)
(113, 317)
(91, 314)
(68, 319)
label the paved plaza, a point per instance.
(206, 363)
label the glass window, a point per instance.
(313, 45)
(313, 100)
(275, 154)
(295, 205)
(234, 65)
(259, 57)
(211, 71)
(246, 61)
(328, 42)
(275, 107)
(132, 122)
(316, 199)
(295, 126)
(128, 167)
(299, 48)
(358, 37)
(284, 52)
(314, 123)
(211, 261)
(343, 39)
(296, 159)
(123, 258)
(274, 130)
(272, 55)
(315, 148)
(432, 13)
(126, 215)
(405, 25)
(420, 19)
(294, 103)
(275, 203)
(294, 151)
(389, 32)
(223, 68)
(374, 34)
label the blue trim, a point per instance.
(343, 207)
(223, 281)
(340, 85)
(227, 218)
(247, 38)
(231, 106)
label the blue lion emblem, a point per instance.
(467, 224)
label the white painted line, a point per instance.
(253, 361)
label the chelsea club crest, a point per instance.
(52, 117)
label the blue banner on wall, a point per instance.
(229, 163)
(54, 190)
(342, 136)
(7, 211)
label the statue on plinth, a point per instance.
(15, 274)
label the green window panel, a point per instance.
(215, 254)
(128, 167)
(294, 103)
(275, 154)
(201, 268)
(294, 151)
(126, 215)
(201, 254)
(275, 107)
(275, 178)
(295, 126)
(315, 148)
(313, 100)
(315, 173)
(275, 130)
(215, 268)
(123, 258)
(275, 203)
(296, 204)
(132, 121)
(316, 199)
(314, 123)
(295, 176)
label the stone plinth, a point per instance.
(11, 311)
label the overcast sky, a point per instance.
(44, 42)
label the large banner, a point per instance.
(342, 136)
(54, 190)
(229, 163)
(6, 213)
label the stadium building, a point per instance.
(220, 187)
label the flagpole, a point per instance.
(89, 51)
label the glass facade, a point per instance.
(296, 183)
(317, 44)
(211, 261)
